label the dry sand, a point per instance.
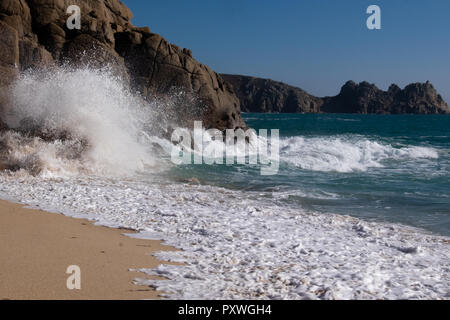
(36, 248)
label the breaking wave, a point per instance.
(72, 121)
(346, 154)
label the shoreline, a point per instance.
(240, 247)
(37, 247)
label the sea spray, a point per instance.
(81, 119)
(69, 121)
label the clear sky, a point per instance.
(315, 44)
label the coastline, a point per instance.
(37, 247)
(246, 249)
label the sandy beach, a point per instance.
(37, 247)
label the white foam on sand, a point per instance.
(245, 246)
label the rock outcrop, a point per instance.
(33, 34)
(263, 95)
(416, 98)
(9, 53)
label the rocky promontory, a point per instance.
(364, 98)
(264, 95)
(33, 34)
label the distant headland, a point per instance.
(265, 95)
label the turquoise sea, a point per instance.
(389, 168)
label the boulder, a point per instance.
(9, 54)
(33, 55)
(16, 14)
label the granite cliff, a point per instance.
(415, 98)
(33, 34)
(264, 95)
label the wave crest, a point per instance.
(346, 154)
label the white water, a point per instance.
(236, 245)
(346, 154)
(245, 246)
(105, 121)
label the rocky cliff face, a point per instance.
(416, 98)
(33, 34)
(263, 95)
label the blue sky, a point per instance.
(315, 44)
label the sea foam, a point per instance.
(83, 120)
(346, 154)
(243, 246)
